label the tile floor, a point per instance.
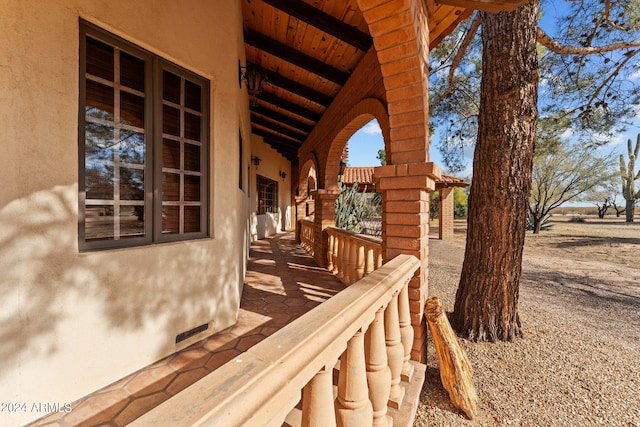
(282, 283)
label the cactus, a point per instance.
(628, 176)
(349, 207)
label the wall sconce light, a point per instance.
(252, 78)
(283, 174)
(256, 160)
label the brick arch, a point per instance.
(361, 113)
(400, 34)
(309, 169)
(305, 205)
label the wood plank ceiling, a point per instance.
(307, 50)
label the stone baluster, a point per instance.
(360, 261)
(378, 373)
(378, 258)
(317, 400)
(353, 253)
(336, 253)
(330, 251)
(353, 407)
(369, 265)
(406, 332)
(395, 351)
(345, 260)
(341, 248)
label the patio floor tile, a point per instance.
(281, 284)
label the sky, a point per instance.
(365, 143)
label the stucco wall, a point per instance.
(272, 163)
(73, 322)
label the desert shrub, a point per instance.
(577, 219)
(349, 207)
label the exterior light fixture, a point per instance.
(256, 160)
(252, 78)
(283, 174)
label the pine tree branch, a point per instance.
(612, 24)
(545, 40)
(611, 76)
(473, 29)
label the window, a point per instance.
(267, 195)
(143, 146)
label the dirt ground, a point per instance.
(579, 362)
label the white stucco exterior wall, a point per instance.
(272, 163)
(74, 322)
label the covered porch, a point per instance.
(283, 283)
(328, 70)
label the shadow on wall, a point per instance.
(52, 296)
(265, 225)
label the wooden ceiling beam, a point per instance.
(288, 149)
(289, 121)
(266, 133)
(324, 22)
(493, 6)
(292, 86)
(295, 57)
(290, 107)
(297, 136)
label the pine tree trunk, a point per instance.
(486, 307)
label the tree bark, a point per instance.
(486, 307)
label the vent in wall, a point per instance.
(191, 332)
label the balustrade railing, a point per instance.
(306, 234)
(351, 256)
(360, 326)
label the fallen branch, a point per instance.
(455, 369)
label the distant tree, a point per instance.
(563, 174)
(460, 203)
(605, 195)
(618, 209)
(603, 207)
(629, 176)
(382, 156)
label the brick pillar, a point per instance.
(300, 205)
(325, 216)
(405, 230)
(445, 213)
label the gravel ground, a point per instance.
(579, 362)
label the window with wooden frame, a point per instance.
(267, 195)
(143, 146)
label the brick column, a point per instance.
(445, 213)
(325, 216)
(300, 205)
(405, 230)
